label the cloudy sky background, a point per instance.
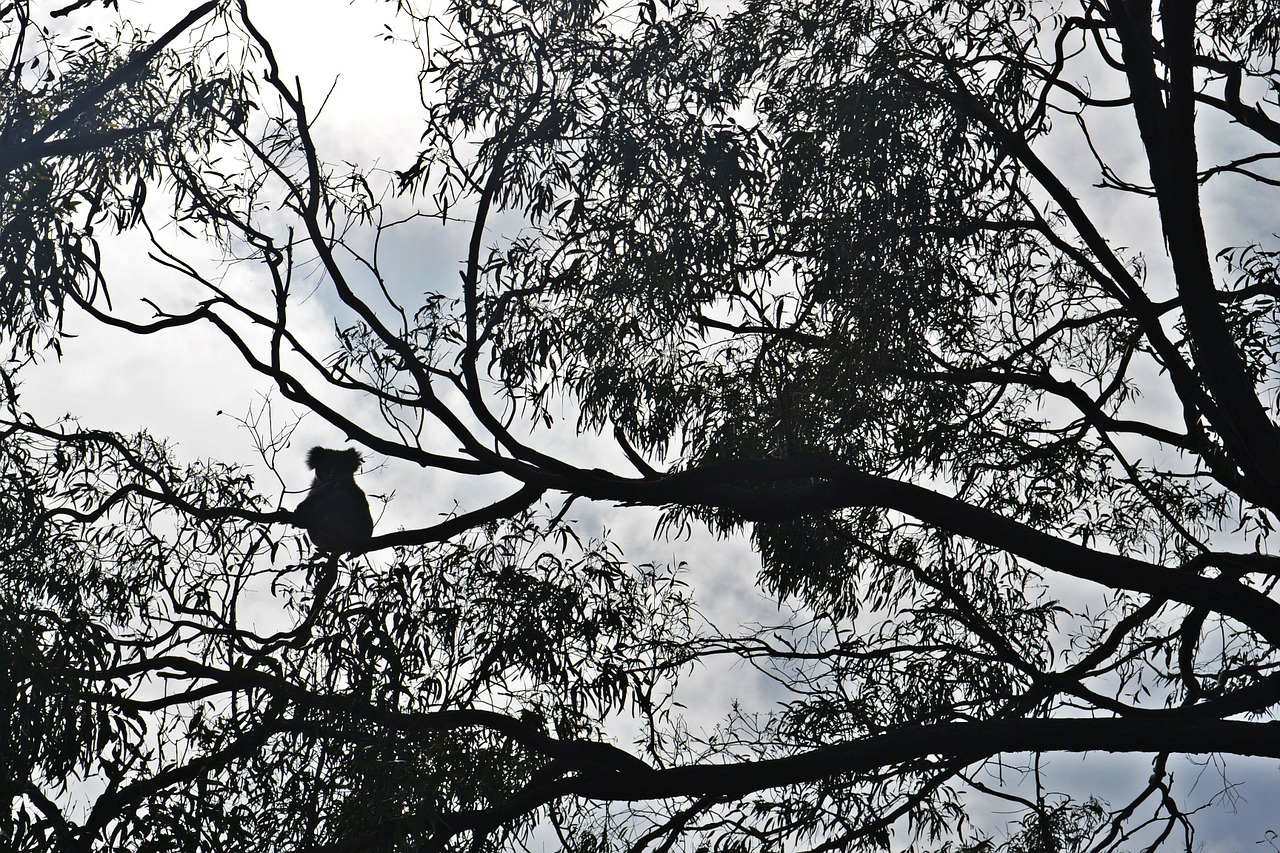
(176, 385)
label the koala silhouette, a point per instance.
(335, 513)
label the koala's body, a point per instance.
(335, 513)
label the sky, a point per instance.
(197, 393)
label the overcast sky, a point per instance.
(177, 385)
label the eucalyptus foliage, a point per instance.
(837, 278)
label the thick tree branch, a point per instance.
(755, 489)
(1168, 136)
(965, 741)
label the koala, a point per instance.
(335, 513)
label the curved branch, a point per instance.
(504, 508)
(757, 490)
(963, 741)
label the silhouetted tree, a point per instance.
(831, 274)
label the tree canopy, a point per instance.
(962, 314)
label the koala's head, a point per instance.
(333, 464)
